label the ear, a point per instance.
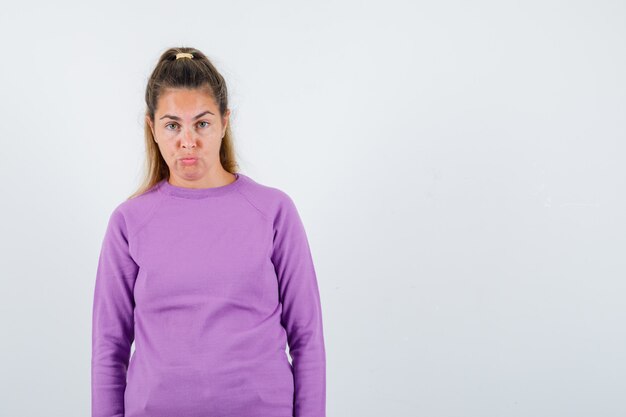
(225, 121)
(151, 127)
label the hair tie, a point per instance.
(184, 55)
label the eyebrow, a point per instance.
(178, 118)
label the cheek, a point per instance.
(168, 151)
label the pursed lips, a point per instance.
(188, 160)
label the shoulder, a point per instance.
(269, 200)
(131, 214)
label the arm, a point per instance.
(302, 313)
(112, 320)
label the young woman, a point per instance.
(208, 272)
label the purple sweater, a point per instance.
(210, 284)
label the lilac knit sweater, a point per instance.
(210, 284)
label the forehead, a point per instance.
(184, 100)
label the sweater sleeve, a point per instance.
(112, 320)
(301, 312)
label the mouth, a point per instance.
(188, 161)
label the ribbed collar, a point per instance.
(195, 193)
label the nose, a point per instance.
(188, 138)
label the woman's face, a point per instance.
(187, 124)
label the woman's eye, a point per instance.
(174, 124)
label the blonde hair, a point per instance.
(195, 73)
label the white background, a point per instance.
(459, 167)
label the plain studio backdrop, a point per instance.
(459, 168)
